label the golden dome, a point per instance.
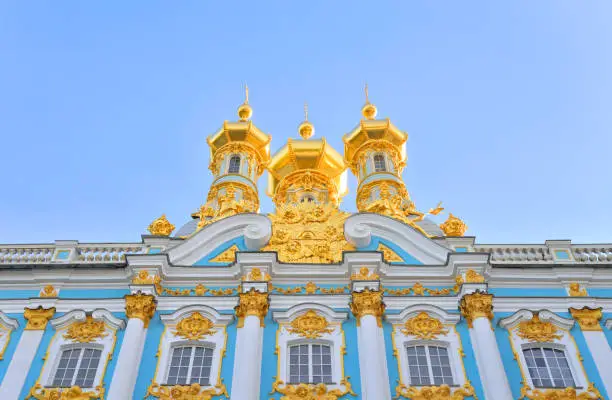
(245, 111)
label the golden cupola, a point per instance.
(307, 170)
(239, 152)
(376, 153)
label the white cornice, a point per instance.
(206, 311)
(291, 313)
(545, 316)
(413, 310)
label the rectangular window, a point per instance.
(379, 163)
(310, 363)
(234, 165)
(429, 365)
(548, 367)
(77, 367)
(190, 364)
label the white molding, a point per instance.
(608, 323)
(7, 322)
(433, 311)
(204, 310)
(513, 320)
(298, 309)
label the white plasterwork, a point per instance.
(216, 341)
(450, 340)
(7, 326)
(608, 324)
(566, 344)
(334, 339)
(59, 343)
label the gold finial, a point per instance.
(306, 129)
(245, 111)
(369, 110)
(453, 226)
(161, 226)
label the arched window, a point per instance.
(429, 365)
(234, 165)
(308, 198)
(379, 163)
(190, 364)
(77, 367)
(310, 363)
(548, 367)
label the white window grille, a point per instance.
(548, 367)
(429, 365)
(310, 363)
(77, 367)
(190, 364)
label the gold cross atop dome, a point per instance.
(306, 129)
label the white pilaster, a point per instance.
(600, 349)
(247, 361)
(372, 360)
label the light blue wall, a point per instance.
(12, 344)
(531, 292)
(469, 361)
(588, 362)
(38, 362)
(110, 368)
(149, 357)
(269, 361)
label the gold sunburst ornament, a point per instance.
(161, 226)
(538, 331)
(424, 327)
(194, 327)
(86, 331)
(310, 325)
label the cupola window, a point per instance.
(308, 199)
(234, 165)
(190, 364)
(77, 367)
(548, 367)
(429, 365)
(310, 363)
(379, 163)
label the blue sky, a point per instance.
(105, 106)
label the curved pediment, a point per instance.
(366, 231)
(245, 231)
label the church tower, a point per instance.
(239, 152)
(376, 153)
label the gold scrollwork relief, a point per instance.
(194, 327)
(368, 302)
(587, 318)
(48, 291)
(199, 290)
(305, 391)
(364, 274)
(537, 331)
(424, 327)
(442, 392)
(576, 291)
(560, 394)
(186, 392)
(475, 305)
(419, 290)
(472, 276)
(310, 325)
(74, 393)
(86, 331)
(145, 278)
(252, 303)
(310, 288)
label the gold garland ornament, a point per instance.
(305, 391)
(252, 303)
(38, 318)
(161, 226)
(194, 327)
(368, 302)
(537, 331)
(74, 393)
(442, 392)
(310, 325)
(560, 394)
(476, 305)
(587, 318)
(186, 392)
(141, 306)
(424, 327)
(86, 331)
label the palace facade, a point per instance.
(309, 302)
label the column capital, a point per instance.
(252, 303)
(141, 306)
(587, 318)
(476, 305)
(368, 302)
(38, 318)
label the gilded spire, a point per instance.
(306, 129)
(245, 111)
(369, 110)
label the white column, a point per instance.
(139, 308)
(367, 306)
(477, 308)
(24, 353)
(251, 311)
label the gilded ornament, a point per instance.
(537, 331)
(194, 327)
(587, 318)
(38, 317)
(368, 302)
(305, 391)
(48, 291)
(186, 392)
(453, 226)
(161, 226)
(311, 288)
(226, 256)
(364, 274)
(86, 331)
(144, 278)
(141, 306)
(252, 303)
(424, 327)
(472, 276)
(310, 325)
(388, 254)
(255, 275)
(576, 291)
(200, 290)
(419, 290)
(442, 392)
(568, 393)
(73, 393)
(224, 201)
(308, 233)
(476, 305)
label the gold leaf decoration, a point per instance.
(472, 276)
(453, 226)
(74, 393)
(419, 290)
(305, 391)
(537, 331)
(368, 302)
(194, 327)
(226, 256)
(186, 392)
(310, 325)
(424, 327)
(442, 392)
(252, 303)
(86, 331)
(587, 318)
(364, 274)
(48, 291)
(388, 254)
(560, 394)
(161, 226)
(476, 305)
(576, 291)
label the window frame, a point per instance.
(229, 164)
(74, 346)
(191, 344)
(294, 343)
(384, 162)
(427, 344)
(553, 346)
